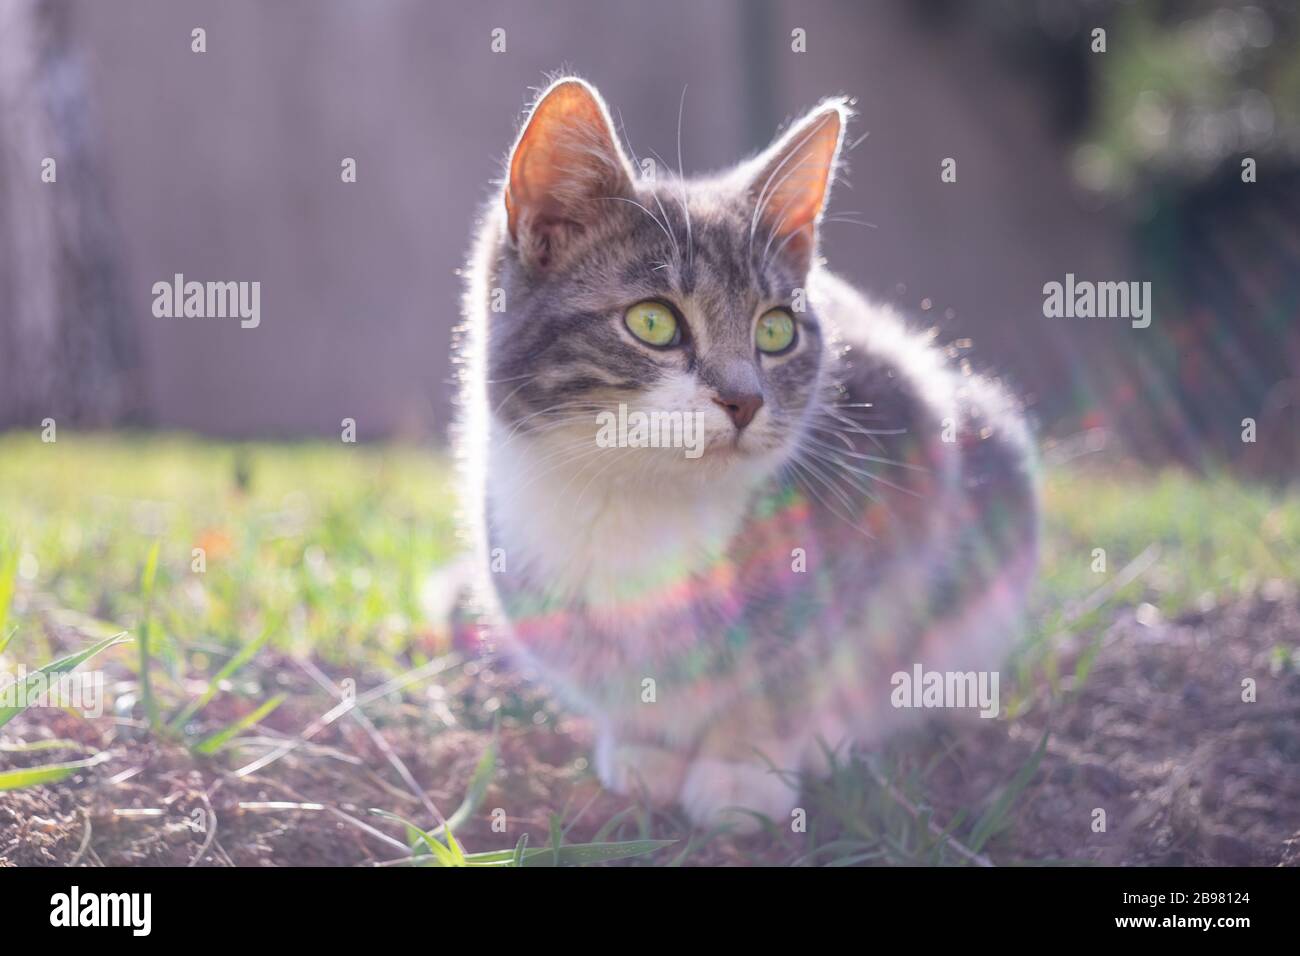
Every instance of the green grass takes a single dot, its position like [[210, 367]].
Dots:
[[1189, 542], [325, 550], [1215, 535], [333, 541]]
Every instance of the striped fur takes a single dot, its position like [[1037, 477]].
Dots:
[[721, 615]]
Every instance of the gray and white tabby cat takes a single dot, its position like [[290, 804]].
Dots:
[[859, 506]]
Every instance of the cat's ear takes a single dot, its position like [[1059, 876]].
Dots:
[[793, 179], [566, 163]]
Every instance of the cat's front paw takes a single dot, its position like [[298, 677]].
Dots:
[[639, 770], [725, 792]]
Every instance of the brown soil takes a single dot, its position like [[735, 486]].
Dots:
[[1158, 737]]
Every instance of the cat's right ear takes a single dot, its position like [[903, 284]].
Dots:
[[565, 166], [793, 182]]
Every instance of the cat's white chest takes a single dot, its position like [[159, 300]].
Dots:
[[596, 533]]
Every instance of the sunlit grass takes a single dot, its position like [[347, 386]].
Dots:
[[334, 540], [1216, 536], [218, 553]]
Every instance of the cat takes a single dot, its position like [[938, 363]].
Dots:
[[730, 619]]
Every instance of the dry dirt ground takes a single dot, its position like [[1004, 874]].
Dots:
[[1158, 737]]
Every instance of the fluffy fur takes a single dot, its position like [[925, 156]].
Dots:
[[723, 616]]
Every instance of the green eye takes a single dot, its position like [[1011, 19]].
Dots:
[[653, 323], [775, 331]]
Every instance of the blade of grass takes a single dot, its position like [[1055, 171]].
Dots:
[[48, 773], [611, 824], [943, 835], [8, 577], [557, 837], [416, 836], [210, 745], [478, 785], [573, 854], [147, 578], [570, 855], [232, 666], [62, 665], [993, 819], [457, 853]]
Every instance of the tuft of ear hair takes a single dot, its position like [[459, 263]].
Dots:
[[565, 162], [792, 183]]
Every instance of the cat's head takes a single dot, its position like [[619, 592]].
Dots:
[[618, 284]]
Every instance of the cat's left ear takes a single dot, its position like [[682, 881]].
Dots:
[[564, 167], [793, 182]]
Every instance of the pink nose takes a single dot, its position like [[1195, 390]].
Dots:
[[741, 407]]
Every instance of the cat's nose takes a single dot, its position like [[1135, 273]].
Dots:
[[741, 406]]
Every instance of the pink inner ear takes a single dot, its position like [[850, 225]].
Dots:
[[791, 190], [566, 156], [796, 246]]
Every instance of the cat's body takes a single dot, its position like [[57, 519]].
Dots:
[[859, 507]]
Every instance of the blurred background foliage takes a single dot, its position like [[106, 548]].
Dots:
[[1119, 165], [1160, 129]]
